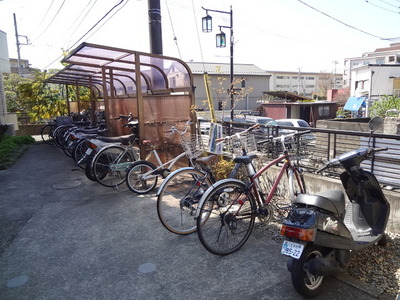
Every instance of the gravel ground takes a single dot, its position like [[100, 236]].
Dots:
[[378, 266]]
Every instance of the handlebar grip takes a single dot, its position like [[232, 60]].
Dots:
[[380, 149], [253, 127]]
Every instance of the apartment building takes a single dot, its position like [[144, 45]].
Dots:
[[371, 76], [307, 84], [381, 56]]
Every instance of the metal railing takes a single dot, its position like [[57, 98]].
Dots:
[[311, 151]]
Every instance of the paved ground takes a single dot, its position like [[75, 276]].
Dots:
[[65, 237]]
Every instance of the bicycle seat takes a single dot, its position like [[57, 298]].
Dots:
[[330, 200], [206, 160], [88, 130], [246, 159], [123, 139]]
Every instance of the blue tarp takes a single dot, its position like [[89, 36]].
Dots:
[[354, 103]]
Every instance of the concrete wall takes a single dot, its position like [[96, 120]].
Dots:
[[317, 183], [29, 129]]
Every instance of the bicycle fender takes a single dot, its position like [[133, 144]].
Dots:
[[211, 188], [170, 175], [103, 149]]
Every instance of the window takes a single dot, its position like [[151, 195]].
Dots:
[[310, 78], [391, 59], [323, 111]]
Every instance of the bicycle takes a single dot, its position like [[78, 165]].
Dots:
[[47, 132], [180, 193], [109, 164], [142, 175], [227, 211]]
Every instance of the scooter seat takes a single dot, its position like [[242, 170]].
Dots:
[[330, 200]]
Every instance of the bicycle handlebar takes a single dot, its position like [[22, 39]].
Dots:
[[350, 155], [283, 137], [239, 133]]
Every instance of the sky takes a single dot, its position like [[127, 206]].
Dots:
[[274, 35]]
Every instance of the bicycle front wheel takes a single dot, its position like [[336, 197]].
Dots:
[[178, 198], [141, 177], [226, 217], [47, 134], [110, 165]]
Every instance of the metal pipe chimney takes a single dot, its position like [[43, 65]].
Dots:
[[155, 27]]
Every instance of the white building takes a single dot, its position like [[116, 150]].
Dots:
[[381, 56], [4, 68], [371, 76], [305, 84]]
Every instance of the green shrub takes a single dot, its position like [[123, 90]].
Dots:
[[11, 148]]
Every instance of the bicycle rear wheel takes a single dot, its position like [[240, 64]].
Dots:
[[141, 177], [110, 165], [81, 152], [178, 198], [296, 183], [47, 134], [226, 217]]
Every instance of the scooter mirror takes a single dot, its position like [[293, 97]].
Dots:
[[375, 123]]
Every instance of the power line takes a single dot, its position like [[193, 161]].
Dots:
[[390, 4], [96, 24], [381, 7], [77, 26], [59, 57], [51, 22], [341, 22], [97, 29], [173, 30], [45, 15]]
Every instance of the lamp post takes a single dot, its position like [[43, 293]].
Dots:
[[221, 43]]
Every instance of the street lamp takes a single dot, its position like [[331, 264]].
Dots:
[[221, 43]]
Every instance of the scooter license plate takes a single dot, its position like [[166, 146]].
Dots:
[[88, 151], [292, 249]]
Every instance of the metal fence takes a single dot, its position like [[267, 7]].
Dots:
[[311, 151], [330, 143]]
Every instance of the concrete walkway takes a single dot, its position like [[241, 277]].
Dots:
[[65, 237]]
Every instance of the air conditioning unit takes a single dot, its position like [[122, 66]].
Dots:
[[396, 93]]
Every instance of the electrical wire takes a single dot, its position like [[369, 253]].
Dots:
[[173, 30], [45, 15], [376, 5], [97, 29], [77, 26], [198, 37], [341, 22], [83, 36], [51, 22], [59, 57], [390, 4]]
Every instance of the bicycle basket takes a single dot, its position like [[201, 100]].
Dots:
[[238, 142], [193, 145]]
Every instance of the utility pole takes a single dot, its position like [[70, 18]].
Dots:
[[155, 27], [19, 44]]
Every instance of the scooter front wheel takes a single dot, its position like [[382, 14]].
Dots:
[[305, 283]]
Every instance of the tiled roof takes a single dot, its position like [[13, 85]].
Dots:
[[224, 69]]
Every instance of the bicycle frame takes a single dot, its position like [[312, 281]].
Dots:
[[287, 165], [121, 167], [169, 164]]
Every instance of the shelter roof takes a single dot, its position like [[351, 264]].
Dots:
[[287, 95], [102, 66]]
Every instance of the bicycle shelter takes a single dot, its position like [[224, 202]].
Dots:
[[156, 89]]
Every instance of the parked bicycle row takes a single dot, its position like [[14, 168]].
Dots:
[[223, 212]]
